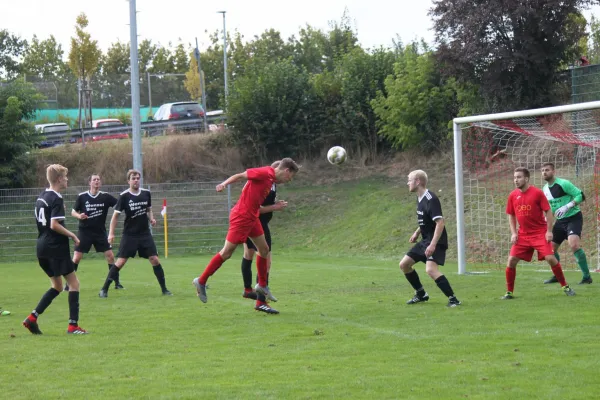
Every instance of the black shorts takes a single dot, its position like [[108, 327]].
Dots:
[[565, 227], [87, 239], [265, 226], [417, 253], [142, 245], [55, 267]]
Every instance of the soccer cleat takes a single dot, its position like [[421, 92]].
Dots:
[[32, 326], [266, 309], [119, 286], [418, 298], [76, 330], [551, 280], [507, 296], [4, 313], [250, 295], [568, 291], [264, 290], [201, 290], [453, 302], [167, 292], [103, 294], [587, 280]]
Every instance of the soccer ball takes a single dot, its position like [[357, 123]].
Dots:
[[336, 155]]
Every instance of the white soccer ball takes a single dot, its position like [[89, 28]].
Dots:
[[336, 155]]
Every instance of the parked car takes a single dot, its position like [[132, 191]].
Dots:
[[108, 123], [178, 111], [48, 129]]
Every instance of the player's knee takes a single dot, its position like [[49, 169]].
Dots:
[[512, 262], [154, 260], [574, 246], [74, 284], [57, 285]]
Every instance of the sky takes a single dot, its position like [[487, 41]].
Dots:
[[376, 21]]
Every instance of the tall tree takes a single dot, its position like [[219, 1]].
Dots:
[[11, 48], [84, 58], [18, 102], [112, 85], [44, 59], [513, 53]]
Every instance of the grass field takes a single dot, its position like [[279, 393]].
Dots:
[[344, 332]]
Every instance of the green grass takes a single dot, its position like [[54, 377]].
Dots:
[[344, 332]]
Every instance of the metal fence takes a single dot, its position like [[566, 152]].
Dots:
[[585, 83], [197, 218]]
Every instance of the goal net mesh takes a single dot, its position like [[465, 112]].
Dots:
[[491, 152]]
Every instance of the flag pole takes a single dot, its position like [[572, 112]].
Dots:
[[163, 212]]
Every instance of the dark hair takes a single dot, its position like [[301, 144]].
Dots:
[[132, 172], [288, 163], [524, 170], [548, 164]]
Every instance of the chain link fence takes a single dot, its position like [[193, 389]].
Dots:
[[197, 218], [585, 83]]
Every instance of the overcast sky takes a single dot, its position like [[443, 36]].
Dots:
[[377, 21]]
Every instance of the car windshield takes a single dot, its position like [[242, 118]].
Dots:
[[55, 128], [186, 107], [109, 123]]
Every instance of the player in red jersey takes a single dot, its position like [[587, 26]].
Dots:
[[528, 206], [244, 223]]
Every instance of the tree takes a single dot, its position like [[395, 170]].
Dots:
[[113, 83], [11, 48], [270, 107], [419, 101], [192, 80], [84, 58], [43, 59], [515, 53], [18, 102]]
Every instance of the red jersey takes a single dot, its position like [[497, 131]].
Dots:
[[258, 187], [529, 207]]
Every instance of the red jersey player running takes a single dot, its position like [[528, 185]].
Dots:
[[244, 223], [528, 205]]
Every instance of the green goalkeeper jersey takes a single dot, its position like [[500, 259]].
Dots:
[[560, 193]]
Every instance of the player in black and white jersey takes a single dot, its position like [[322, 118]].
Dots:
[[91, 209], [53, 253], [266, 213], [136, 204], [432, 248]]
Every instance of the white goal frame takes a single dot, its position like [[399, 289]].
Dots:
[[458, 160]]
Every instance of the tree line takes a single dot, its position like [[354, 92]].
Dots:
[[300, 94]]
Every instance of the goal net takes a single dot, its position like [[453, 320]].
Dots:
[[488, 148]]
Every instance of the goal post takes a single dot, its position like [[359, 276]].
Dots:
[[487, 149]]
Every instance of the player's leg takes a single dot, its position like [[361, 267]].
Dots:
[[559, 235], [49, 267], [262, 265], [109, 256], [74, 327], [215, 263], [249, 251], [575, 228], [77, 257], [113, 273], [432, 267], [511, 273], [159, 272], [545, 253], [416, 254]]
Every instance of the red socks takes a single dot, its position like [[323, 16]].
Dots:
[[511, 274], [262, 270], [212, 267], [558, 273]]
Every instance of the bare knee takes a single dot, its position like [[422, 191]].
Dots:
[[226, 253], [56, 284], [73, 282], [154, 260], [406, 265], [248, 253], [432, 270], [512, 262], [110, 257]]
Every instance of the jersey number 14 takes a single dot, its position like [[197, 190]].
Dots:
[[41, 216]]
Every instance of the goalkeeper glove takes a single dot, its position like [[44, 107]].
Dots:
[[564, 209]]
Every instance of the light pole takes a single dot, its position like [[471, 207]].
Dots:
[[135, 92], [224, 56]]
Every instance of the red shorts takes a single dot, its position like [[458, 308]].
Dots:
[[241, 229], [525, 246]]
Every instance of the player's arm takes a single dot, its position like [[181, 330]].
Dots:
[[576, 195], [437, 234], [113, 225], [151, 216], [77, 215], [278, 206], [549, 224], [232, 179], [415, 235], [58, 228]]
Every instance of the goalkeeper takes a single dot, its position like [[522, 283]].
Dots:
[[564, 198]]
